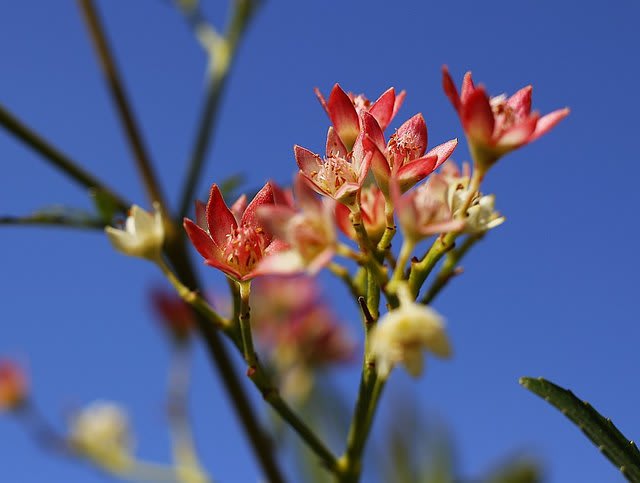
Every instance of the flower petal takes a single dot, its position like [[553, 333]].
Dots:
[[450, 89], [305, 195], [520, 102], [335, 146], [220, 219], [443, 151], [343, 116], [308, 162], [467, 87], [548, 122], [239, 206], [477, 117], [201, 240], [263, 197], [383, 108], [413, 132], [322, 100], [415, 171], [518, 134], [371, 128]]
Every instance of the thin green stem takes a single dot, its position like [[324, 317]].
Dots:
[[450, 268], [245, 327], [57, 158], [405, 253], [242, 12], [62, 221], [390, 230], [122, 103], [343, 274]]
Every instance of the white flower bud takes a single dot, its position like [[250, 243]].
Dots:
[[402, 334], [143, 235], [101, 432]]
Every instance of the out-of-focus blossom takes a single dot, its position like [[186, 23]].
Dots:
[[143, 234], [404, 157], [234, 241], [424, 211], [101, 432], [174, 313], [481, 215], [298, 330], [340, 174], [372, 206], [345, 111], [404, 333], [13, 386], [308, 230], [496, 125]]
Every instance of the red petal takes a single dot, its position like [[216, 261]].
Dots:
[[415, 171], [477, 117], [224, 267], [519, 134], [383, 108], [220, 220], [305, 195], [343, 116], [335, 146], [443, 151], [371, 128], [322, 100], [379, 164], [467, 88], [239, 206], [343, 221], [414, 130], [263, 197], [520, 102], [546, 123], [450, 89], [201, 240], [399, 101], [308, 162]]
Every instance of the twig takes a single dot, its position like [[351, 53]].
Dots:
[[120, 100]]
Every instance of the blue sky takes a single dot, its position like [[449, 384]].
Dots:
[[552, 292]]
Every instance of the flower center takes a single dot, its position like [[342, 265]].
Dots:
[[333, 173], [505, 116], [245, 247], [403, 148]]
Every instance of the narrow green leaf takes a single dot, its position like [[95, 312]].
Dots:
[[622, 452], [105, 205]]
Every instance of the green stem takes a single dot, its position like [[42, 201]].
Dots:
[[390, 230], [245, 327], [450, 268], [122, 103], [343, 274], [405, 253], [57, 158], [54, 220], [241, 15]]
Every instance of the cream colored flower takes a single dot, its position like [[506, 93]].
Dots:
[[143, 234], [101, 433], [402, 334]]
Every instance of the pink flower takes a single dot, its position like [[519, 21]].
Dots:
[[345, 110], [403, 157], [425, 211], [340, 174], [308, 230], [373, 215], [13, 386], [496, 125], [234, 241]]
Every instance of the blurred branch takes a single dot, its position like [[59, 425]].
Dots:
[[57, 158], [450, 268], [120, 100], [61, 220], [223, 49]]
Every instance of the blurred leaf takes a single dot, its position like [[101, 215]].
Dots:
[[622, 452], [230, 185], [56, 216], [105, 205]]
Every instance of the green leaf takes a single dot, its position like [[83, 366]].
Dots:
[[622, 452], [523, 471], [105, 205], [56, 216]]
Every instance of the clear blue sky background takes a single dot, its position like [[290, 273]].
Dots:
[[553, 292]]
